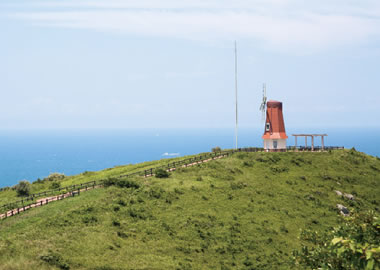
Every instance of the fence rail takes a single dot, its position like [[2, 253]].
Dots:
[[315, 148], [41, 202], [52, 192], [171, 166]]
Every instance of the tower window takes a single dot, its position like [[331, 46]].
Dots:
[[267, 127]]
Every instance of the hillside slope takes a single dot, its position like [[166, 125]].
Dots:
[[241, 212]]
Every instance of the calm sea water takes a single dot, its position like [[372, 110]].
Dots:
[[35, 154]]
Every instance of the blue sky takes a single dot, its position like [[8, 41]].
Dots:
[[151, 63]]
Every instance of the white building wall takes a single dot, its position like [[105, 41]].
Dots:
[[268, 144]]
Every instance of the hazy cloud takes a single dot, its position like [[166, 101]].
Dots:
[[286, 25]]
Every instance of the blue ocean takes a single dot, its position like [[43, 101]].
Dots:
[[27, 154]]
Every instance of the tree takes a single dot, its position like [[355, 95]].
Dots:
[[23, 188]]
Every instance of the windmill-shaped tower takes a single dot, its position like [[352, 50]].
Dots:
[[274, 132]]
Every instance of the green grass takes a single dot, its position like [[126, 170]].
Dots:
[[9, 196], [241, 212]]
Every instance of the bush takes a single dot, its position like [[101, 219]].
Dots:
[[54, 177], [354, 245], [55, 259], [279, 169], [38, 181], [122, 183], [23, 188], [216, 149], [55, 185], [161, 173]]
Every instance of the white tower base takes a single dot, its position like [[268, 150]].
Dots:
[[274, 144]]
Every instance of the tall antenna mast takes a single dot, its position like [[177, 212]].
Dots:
[[236, 99]]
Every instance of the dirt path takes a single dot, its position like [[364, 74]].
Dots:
[[47, 200]]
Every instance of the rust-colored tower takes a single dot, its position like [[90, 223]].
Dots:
[[274, 133]]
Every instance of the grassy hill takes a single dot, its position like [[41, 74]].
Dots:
[[242, 212]]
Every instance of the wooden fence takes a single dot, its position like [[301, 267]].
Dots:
[[38, 203], [20, 204], [52, 192], [14, 207]]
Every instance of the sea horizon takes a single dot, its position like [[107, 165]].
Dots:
[[32, 154]]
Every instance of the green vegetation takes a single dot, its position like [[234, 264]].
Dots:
[[248, 211], [23, 188], [354, 245], [161, 173], [216, 149], [9, 195]]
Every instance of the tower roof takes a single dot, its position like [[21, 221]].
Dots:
[[274, 124]]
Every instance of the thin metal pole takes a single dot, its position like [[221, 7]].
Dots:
[[236, 99]]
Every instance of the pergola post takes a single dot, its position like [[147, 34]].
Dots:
[[323, 143], [312, 140]]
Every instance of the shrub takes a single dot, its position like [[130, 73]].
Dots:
[[216, 149], [178, 191], [55, 177], [247, 163], [354, 245], [238, 185], [55, 185], [55, 259], [122, 202], [89, 220], [156, 192], [241, 155], [38, 181], [116, 223], [122, 183], [23, 188], [279, 169], [161, 173]]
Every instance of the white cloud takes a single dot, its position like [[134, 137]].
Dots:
[[273, 24], [170, 154]]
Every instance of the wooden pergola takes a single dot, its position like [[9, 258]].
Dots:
[[312, 139]]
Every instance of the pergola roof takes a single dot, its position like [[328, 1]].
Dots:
[[309, 135]]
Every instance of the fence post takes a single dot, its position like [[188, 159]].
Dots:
[[78, 191], [41, 203], [151, 171], [47, 201], [12, 213], [18, 210]]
